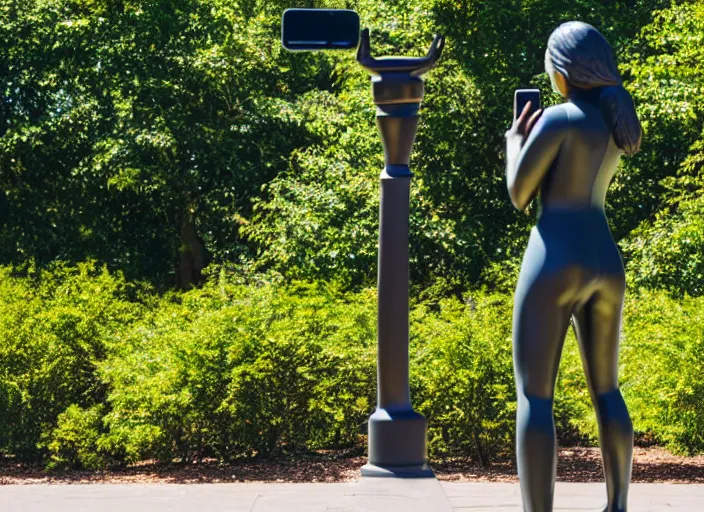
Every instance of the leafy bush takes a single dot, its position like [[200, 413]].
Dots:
[[463, 376], [661, 66], [667, 252], [232, 369], [662, 360], [95, 371], [575, 419], [75, 440], [53, 327]]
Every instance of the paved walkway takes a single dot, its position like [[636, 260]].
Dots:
[[366, 495]]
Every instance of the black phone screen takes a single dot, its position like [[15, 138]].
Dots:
[[319, 29], [523, 96]]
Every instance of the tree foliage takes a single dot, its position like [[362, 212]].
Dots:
[[160, 136], [137, 132], [666, 250]]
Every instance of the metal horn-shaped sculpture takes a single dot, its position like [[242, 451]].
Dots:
[[416, 66], [397, 433]]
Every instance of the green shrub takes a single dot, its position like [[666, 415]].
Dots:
[[575, 419], [74, 443], [94, 372], [19, 358], [53, 330], [662, 361], [462, 372], [661, 357], [230, 369], [235, 369]]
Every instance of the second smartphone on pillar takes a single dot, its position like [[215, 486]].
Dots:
[[319, 29], [521, 97]]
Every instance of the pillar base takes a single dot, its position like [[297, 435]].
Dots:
[[422, 471], [397, 444]]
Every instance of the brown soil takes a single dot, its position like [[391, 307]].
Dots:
[[574, 465], [653, 465]]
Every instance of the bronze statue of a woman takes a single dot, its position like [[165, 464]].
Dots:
[[567, 154]]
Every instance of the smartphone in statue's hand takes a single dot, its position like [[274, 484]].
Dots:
[[523, 96]]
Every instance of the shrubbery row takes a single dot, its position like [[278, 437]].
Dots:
[[96, 371]]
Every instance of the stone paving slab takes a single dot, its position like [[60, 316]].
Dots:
[[498, 497], [365, 495], [129, 497]]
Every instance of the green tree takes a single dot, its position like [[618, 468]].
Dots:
[[665, 251], [136, 132]]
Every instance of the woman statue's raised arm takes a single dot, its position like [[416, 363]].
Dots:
[[531, 147]]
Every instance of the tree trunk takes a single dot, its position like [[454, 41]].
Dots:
[[192, 254]]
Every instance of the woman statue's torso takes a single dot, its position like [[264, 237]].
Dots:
[[571, 245]]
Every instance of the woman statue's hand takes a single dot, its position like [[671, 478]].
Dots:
[[522, 125]]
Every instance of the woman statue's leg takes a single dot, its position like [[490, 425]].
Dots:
[[539, 328], [598, 325]]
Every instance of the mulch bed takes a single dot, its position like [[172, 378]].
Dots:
[[574, 465], [650, 465]]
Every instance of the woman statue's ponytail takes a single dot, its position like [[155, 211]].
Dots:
[[580, 53], [620, 114]]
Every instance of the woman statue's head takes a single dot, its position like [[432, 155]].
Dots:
[[578, 57]]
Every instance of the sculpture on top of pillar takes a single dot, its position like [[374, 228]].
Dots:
[[572, 270], [397, 433]]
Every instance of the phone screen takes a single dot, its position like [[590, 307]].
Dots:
[[319, 29], [523, 96]]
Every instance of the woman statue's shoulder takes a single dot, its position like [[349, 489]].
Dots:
[[555, 117]]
